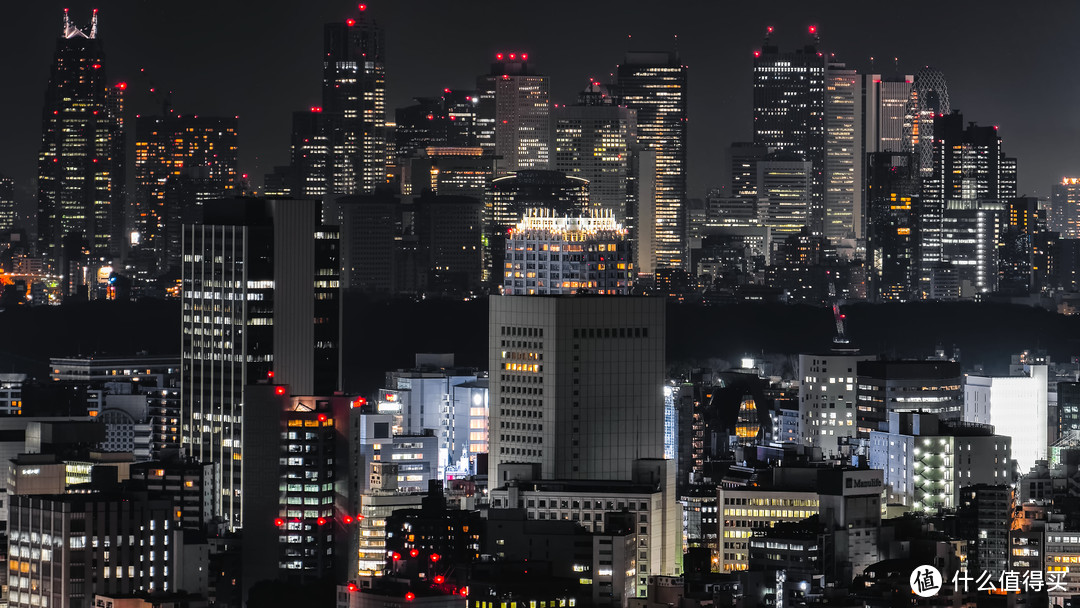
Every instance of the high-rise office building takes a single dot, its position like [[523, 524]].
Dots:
[[354, 101], [81, 161], [1065, 208], [449, 239], [789, 112], [743, 158], [450, 172], [595, 140], [260, 301], [929, 99], [784, 192], [514, 114], [202, 149], [654, 85], [885, 100], [931, 387], [1022, 220], [843, 168], [7, 203], [962, 198], [448, 121], [550, 254], [893, 204], [576, 385]]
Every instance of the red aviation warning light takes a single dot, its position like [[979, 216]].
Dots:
[[410, 596], [321, 521], [395, 556], [347, 519], [270, 374], [439, 579], [435, 557], [279, 522], [359, 402], [353, 587], [280, 390], [414, 553], [121, 85], [757, 53], [363, 7], [813, 29], [498, 56], [350, 22]]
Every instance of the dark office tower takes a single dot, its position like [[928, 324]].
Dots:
[[81, 162], [654, 84], [962, 199], [595, 140], [1068, 407], [892, 254], [448, 121], [1022, 221], [514, 114], [354, 99], [935, 387], [448, 233], [1065, 208], [929, 99], [7, 204], [743, 158], [789, 112], [260, 300], [371, 228], [297, 523], [451, 172], [312, 172], [169, 149]]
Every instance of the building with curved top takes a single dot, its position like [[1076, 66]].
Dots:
[[550, 254]]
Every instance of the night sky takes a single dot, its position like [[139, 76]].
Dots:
[[1006, 63]]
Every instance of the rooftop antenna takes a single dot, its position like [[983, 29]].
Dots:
[[871, 64], [768, 34], [67, 23], [814, 32], [896, 64], [93, 25]]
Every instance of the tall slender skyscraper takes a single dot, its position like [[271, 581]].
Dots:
[[354, 100], [929, 99], [7, 203], [843, 153], [789, 112], [654, 85], [514, 114], [1065, 208], [260, 301], [81, 162], [893, 207], [172, 149], [595, 140]]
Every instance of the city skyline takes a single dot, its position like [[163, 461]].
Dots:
[[284, 76]]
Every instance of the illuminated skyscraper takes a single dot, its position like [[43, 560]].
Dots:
[[962, 201], [260, 301], [514, 114], [7, 203], [654, 84], [1065, 208], [789, 112], [354, 100], [81, 162], [568, 254], [843, 153], [595, 140], [168, 149], [885, 107], [893, 205], [784, 188], [929, 99]]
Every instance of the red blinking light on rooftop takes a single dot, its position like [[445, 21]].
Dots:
[[414, 553], [410, 596], [347, 519], [350, 22], [498, 56], [279, 522], [121, 85], [322, 418], [435, 557], [316, 109], [363, 7], [359, 402], [280, 390], [395, 556], [439, 579], [321, 521], [353, 587], [813, 29], [270, 374]]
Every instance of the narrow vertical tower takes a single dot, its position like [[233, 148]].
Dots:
[[354, 102], [81, 161]]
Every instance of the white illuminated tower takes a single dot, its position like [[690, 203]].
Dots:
[[886, 100], [576, 384], [514, 114]]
